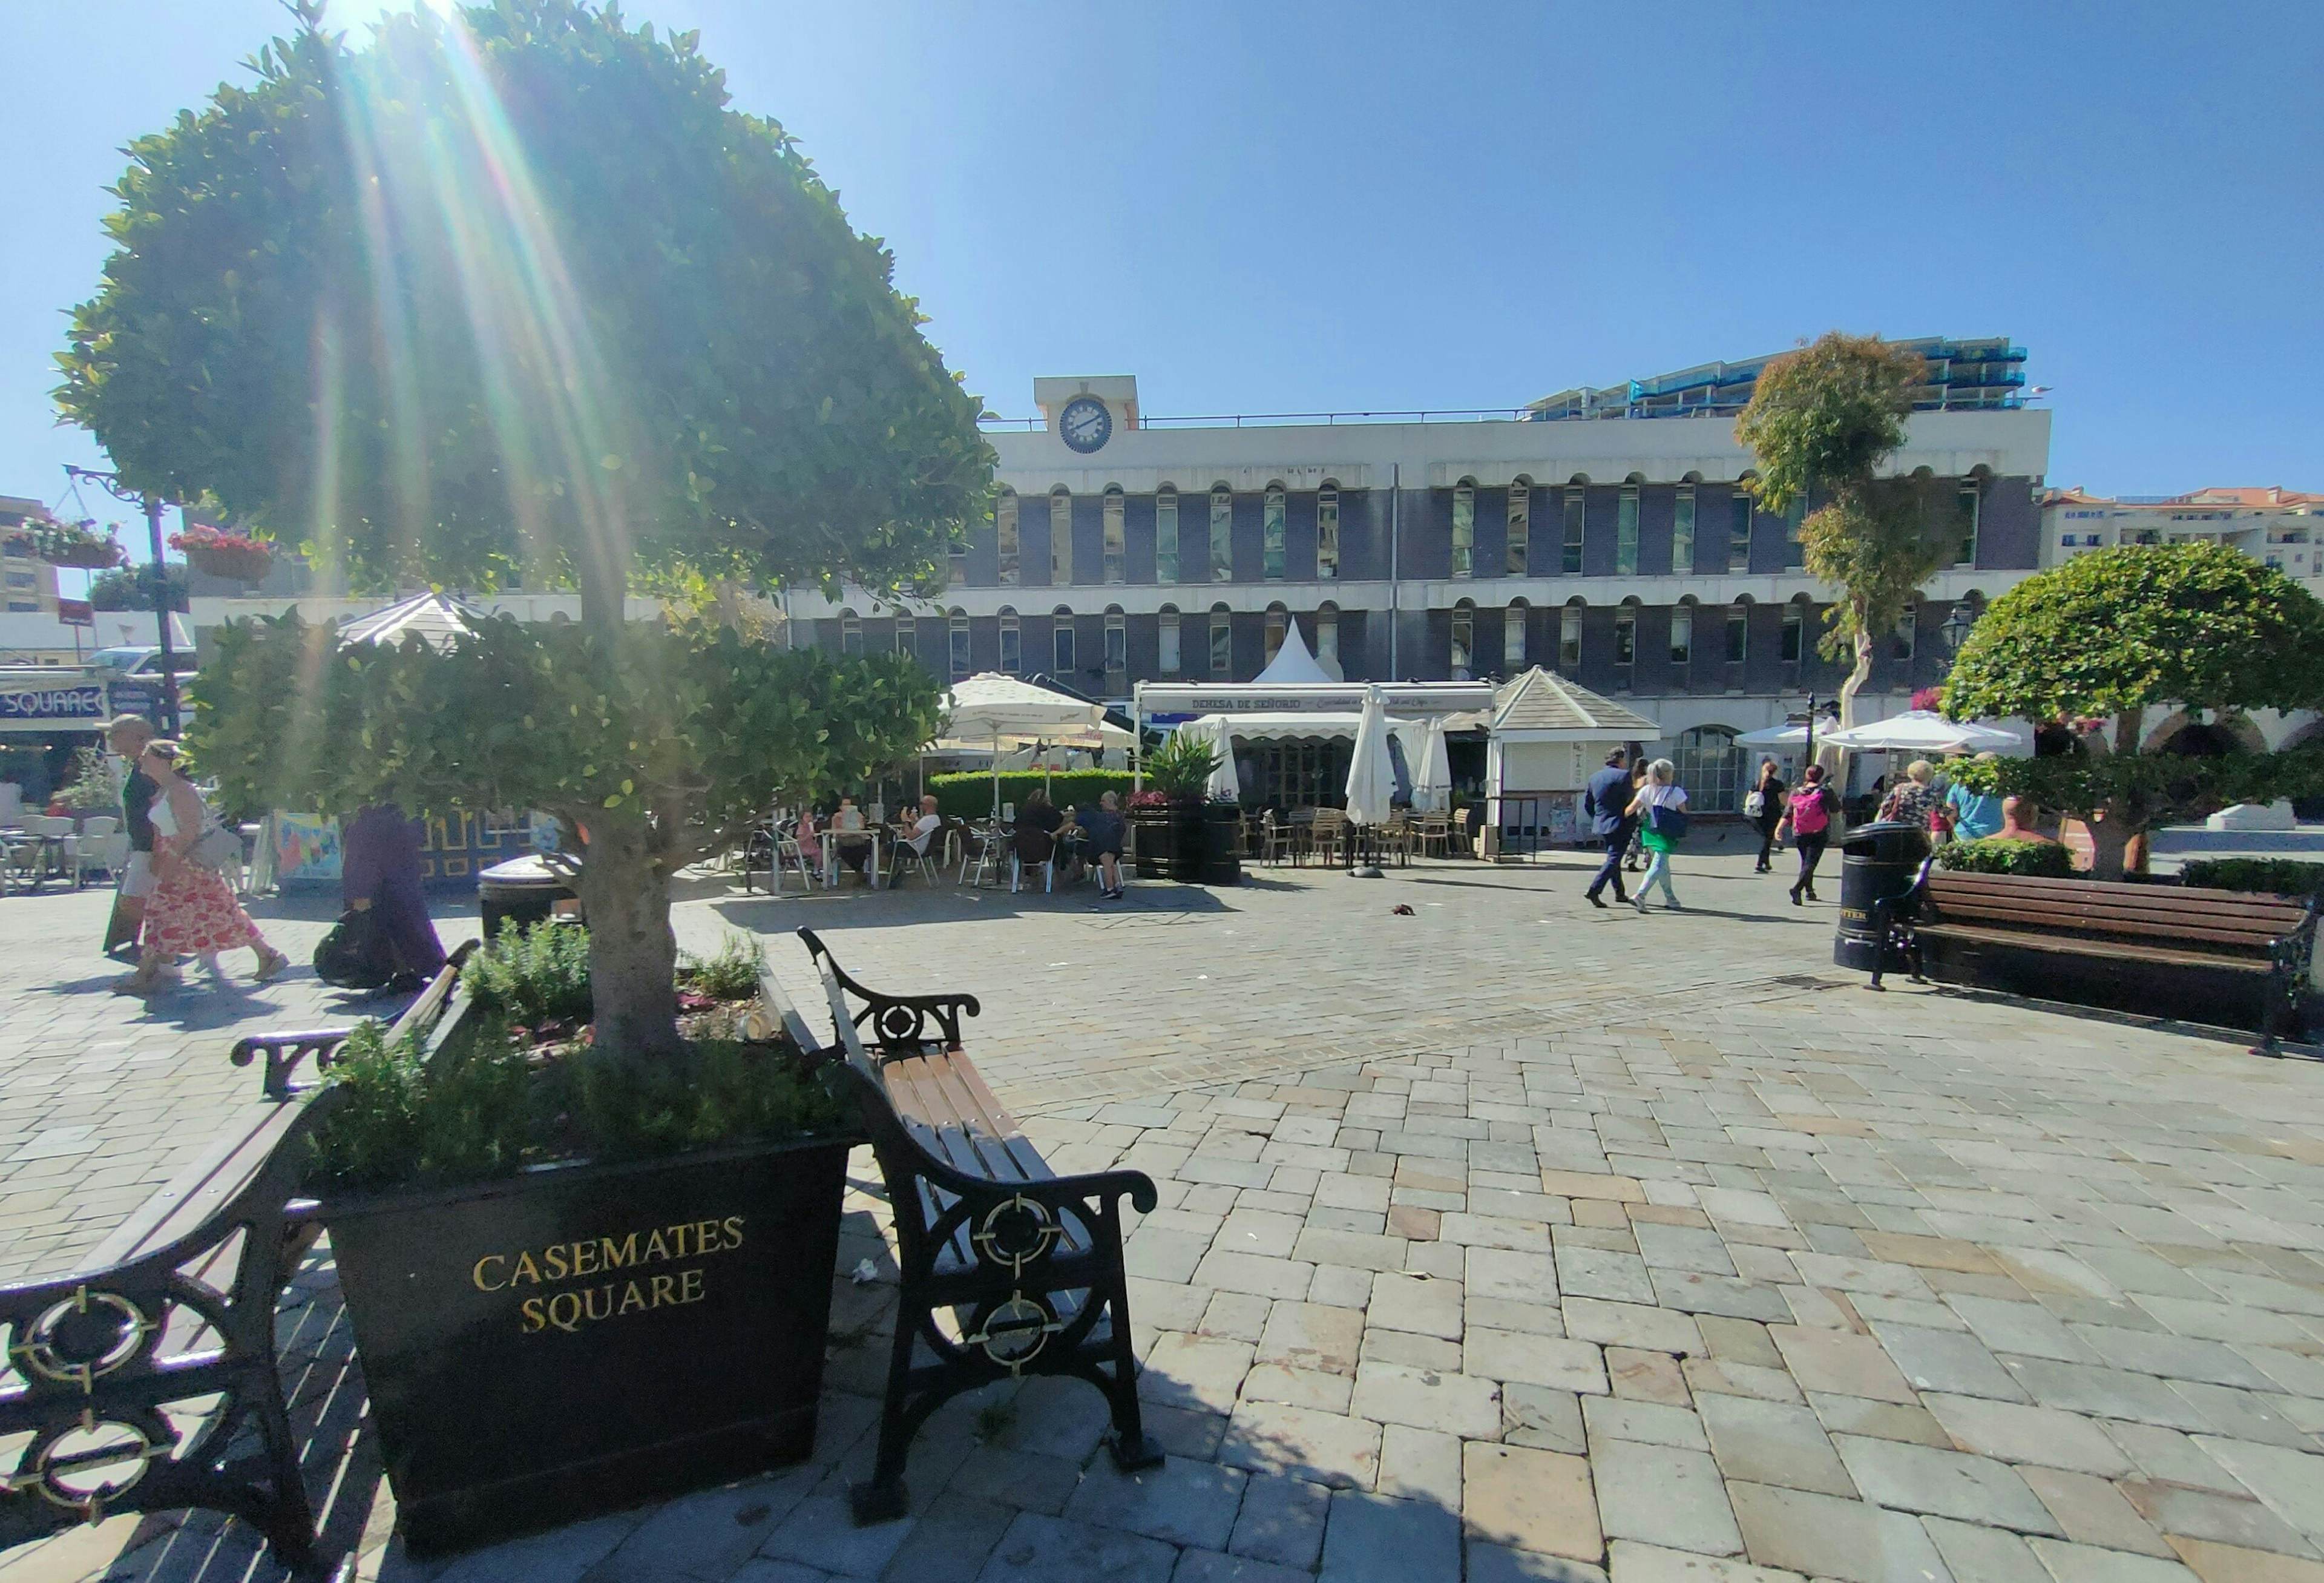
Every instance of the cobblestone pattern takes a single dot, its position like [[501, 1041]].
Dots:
[[1762, 1283]]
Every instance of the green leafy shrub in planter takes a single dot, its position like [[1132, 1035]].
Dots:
[[398, 1122], [2282, 876], [2032, 859], [969, 795], [1180, 769], [533, 976], [731, 974]]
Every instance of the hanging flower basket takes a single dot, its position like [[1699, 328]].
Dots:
[[76, 544], [215, 553]]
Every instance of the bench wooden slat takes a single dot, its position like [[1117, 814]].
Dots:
[[2112, 951], [2032, 916], [2276, 911]]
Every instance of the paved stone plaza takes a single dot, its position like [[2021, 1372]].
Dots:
[[1508, 1240]]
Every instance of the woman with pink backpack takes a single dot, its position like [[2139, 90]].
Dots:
[[1807, 820]]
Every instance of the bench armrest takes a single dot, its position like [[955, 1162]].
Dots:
[[897, 1023], [284, 1052]]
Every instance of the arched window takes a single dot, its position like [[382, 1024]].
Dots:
[[1464, 640], [1165, 535], [1513, 637], [851, 633], [1795, 630], [1970, 501], [1117, 643], [1327, 530], [1908, 621], [1711, 767], [1166, 634], [1061, 537], [1272, 553], [907, 637], [1682, 634], [1738, 632], [1221, 642], [1277, 619], [1061, 642], [959, 653], [1683, 527], [1012, 651], [1117, 535], [1520, 528], [1327, 635], [1222, 533], [1568, 637], [1004, 518], [1625, 527], [1464, 529], [1739, 528], [1625, 640], [1576, 507]]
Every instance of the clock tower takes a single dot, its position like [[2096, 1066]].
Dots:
[[1087, 412]]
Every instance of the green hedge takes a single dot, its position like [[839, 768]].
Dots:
[[968, 794], [2283, 877], [2035, 859]]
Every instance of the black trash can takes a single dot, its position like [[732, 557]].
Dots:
[[524, 891], [1878, 861]]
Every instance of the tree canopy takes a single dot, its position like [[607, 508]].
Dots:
[[1821, 421], [2193, 627], [516, 292]]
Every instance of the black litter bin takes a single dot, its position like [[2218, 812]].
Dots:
[[524, 891], [1878, 861]]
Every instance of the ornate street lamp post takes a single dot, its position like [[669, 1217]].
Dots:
[[151, 506]]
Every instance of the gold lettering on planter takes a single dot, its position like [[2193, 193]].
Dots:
[[616, 1255]]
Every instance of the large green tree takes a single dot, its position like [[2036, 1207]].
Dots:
[[515, 292], [2117, 633], [1823, 421]]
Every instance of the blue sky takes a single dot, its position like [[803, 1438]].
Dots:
[[1305, 207]]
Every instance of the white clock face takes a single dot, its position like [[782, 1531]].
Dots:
[[1085, 424]]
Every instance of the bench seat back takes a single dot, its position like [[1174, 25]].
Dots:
[[2223, 922]]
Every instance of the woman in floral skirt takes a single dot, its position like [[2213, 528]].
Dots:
[[192, 910]]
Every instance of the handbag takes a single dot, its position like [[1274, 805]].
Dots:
[[354, 955], [218, 850], [1755, 805], [1666, 821]]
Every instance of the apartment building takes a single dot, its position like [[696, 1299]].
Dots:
[[2283, 528]]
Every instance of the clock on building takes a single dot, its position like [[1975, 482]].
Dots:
[[1085, 424]]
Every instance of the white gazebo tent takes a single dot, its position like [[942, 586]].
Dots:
[[1293, 664], [435, 618], [1543, 737]]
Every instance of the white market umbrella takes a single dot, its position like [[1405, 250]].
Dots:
[[1791, 735], [1432, 787], [1923, 731], [1371, 776], [999, 711]]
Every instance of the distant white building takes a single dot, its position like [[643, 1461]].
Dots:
[[28, 585], [2283, 528]]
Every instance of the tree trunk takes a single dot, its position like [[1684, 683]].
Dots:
[[2112, 831], [625, 888], [1830, 758]]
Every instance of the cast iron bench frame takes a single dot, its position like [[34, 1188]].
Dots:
[[1029, 1262], [2135, 947], [177, 1305]]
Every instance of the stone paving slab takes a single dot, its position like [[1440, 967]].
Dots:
[[1491, 1245]]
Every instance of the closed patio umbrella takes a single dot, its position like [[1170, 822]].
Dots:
[[1372, 777], [1432, 788]]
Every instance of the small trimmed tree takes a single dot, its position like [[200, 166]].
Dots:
[[2117, 633], [513, 292], [1823, 421]]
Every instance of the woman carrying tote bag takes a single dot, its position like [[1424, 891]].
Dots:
[[192, 910], [1660, 809]]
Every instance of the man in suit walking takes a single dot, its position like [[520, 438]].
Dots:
[[1606, 802]]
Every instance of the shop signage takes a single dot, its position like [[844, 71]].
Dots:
[[78, 704]]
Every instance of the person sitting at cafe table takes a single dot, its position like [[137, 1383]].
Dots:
[[1102, 833], [923, 830], [854, 846]]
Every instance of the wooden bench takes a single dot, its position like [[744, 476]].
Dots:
[[2224, 957], [148, 1381], [1028, 1262]]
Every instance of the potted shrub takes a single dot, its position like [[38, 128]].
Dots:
[[1173, 812], [77, 544], [222, 552], [572, 1291]]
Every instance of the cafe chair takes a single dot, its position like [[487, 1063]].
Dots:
[[1032, 850]]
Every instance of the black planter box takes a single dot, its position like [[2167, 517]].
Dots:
[[1221, 845], [583, 1339], [1151, 826]]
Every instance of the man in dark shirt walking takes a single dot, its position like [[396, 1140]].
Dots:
[[1607, 802]]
